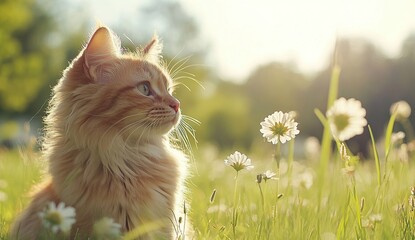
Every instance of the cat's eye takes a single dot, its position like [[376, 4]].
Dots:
[[144, 88]]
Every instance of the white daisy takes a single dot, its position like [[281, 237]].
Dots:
[[239, 161], [346, 118], [268, 175], [279, 127], [58, 218], [402, 109], [106, 228]]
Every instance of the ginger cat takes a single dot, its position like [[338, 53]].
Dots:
[[107, 143]]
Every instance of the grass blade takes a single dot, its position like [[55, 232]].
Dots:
[[375, 154], [388, 134]]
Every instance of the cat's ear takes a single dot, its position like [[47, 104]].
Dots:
[[152, 52], [102, 48]]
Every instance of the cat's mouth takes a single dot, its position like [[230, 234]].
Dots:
[[162, 118], [174, 119]]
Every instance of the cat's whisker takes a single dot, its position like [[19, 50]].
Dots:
[[171, 68], [184, 67], [172, 60], [178, 65], [190, 78], [135, 127], [126, 129], [180, 133], [143, 127], [181, 84], [119, 121], [192, 119]]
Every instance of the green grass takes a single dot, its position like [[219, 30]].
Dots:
[[19, 171], [298, 214]]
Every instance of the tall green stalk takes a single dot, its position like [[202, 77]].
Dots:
[[326, 141], [376, 155], [235, 206]]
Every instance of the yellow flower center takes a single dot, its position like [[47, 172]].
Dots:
[[238, 166], [279, 129], [54, 218], [341, 121]]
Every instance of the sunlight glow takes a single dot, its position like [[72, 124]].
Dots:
[[247, 33], [244, 34]]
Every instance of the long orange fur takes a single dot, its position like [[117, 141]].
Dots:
[[107, 143]]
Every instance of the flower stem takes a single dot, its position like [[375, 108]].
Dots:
[[277, 155], [235, 207], [290, 162], [262, 197]]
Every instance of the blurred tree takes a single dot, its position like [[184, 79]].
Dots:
[[23, 30], [274, 87], [176, 26], [225, 117], [404, 71]]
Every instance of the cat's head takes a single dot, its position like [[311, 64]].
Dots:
[[107, 92]]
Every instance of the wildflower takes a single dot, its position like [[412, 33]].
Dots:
[[106, 228], [376, 218], [397, 138], [304, 179], [239, 161], [402, 110], [279, 127], [259, 178], [371, 221], [58, 218], [268, 175], [312, 147], [346, 118]]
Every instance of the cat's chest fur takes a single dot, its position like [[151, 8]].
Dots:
[[132, 186]]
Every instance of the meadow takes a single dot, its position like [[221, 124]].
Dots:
[[328, 194]]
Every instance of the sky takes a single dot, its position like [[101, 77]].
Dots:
[[243, 34]]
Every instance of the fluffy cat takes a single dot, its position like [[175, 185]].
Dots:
[[106, 140]]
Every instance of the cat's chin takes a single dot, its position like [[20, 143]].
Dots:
[[168, 126]]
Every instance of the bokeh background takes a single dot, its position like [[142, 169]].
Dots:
[[252, 58]]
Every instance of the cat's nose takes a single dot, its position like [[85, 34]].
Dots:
[[175, 104]]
